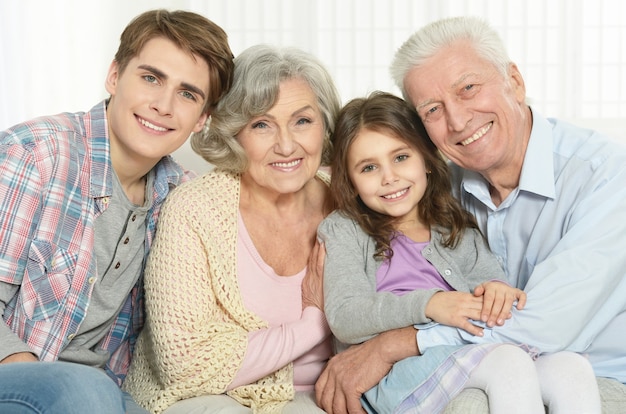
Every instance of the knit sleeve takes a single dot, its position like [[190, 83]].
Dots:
[[196, 332]]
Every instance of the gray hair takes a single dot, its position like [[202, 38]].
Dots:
[[433, 37], [259, 71]]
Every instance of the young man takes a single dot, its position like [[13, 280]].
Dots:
[[80, 194], [549, 196]]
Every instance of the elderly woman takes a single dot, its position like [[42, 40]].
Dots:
[[233, 284]]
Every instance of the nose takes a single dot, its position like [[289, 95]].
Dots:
[[388, 175], [458, 115], [163, 102], [285, 143]]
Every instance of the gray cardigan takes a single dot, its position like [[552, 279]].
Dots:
[[356, 312]]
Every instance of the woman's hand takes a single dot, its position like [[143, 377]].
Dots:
[[313, 282], [456, 309], [498, 299]]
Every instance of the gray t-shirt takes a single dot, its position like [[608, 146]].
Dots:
[[120, 245]]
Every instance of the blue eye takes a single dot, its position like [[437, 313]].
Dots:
[[150, 78], [189, 95], [260, 124], [402, 157]]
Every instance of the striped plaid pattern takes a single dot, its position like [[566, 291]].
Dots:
[[434, 394], [55, 180]]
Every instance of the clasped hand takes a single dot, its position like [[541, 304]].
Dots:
[[491, 303]]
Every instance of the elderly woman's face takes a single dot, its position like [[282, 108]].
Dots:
[[284, 145]]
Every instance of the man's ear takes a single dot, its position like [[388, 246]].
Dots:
[[201, 121], [112, 77], [517, 83]]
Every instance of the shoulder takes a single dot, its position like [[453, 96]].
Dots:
[[212, 188], [337, 226]]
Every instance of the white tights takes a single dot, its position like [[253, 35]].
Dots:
[[514, 383]]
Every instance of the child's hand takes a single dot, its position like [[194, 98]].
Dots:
[[456, 309], [498, 299]]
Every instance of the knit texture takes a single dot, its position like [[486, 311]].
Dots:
[[197, 327]]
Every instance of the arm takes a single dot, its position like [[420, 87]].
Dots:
[[188, 328], [355, 311], [21, 200], [573, 266], [272, 348]]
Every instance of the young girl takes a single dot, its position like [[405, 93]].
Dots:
[[402, 251]]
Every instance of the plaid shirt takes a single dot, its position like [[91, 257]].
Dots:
[[55, 180]]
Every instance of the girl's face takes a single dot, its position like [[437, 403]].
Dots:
[[388, 174]]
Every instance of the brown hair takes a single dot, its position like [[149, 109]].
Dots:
[[192, 33], [385, 113]]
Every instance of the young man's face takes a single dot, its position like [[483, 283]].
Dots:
[[156, 102]]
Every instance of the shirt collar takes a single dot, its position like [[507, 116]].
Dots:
[[538, 169]]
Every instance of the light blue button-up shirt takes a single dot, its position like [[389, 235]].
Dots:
[[561, 236]]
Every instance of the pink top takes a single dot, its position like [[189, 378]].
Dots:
[[293, 334]]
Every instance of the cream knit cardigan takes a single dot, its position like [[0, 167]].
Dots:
[[197, 327]]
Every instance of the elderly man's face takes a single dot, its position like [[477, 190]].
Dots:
[[472, 113]]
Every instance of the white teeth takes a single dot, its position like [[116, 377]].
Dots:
[[396, 195], [152, 126], [286, 164], [477, 135]]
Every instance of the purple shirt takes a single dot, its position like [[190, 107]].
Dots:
[[408, 270]]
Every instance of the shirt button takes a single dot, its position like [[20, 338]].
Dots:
[[134, 217], [447, 272], [126, 240], [70, 337], [92, 279], [117, 265]]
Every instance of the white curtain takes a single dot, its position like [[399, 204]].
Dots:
[[572, 53]]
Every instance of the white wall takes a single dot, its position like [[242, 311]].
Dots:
[[55, 53]]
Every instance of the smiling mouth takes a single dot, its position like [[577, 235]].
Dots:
[[152, 126], [289, 164], [477, 135], [395, 195]]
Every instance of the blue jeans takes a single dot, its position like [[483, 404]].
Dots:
[[57, 388]]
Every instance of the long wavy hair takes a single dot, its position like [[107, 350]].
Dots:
[[388, 114]]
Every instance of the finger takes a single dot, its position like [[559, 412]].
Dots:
[[339, 402], [324, 391], [472, 329], [506, 310], [521, 300], [487, 308], [496, 310], [479, 290]]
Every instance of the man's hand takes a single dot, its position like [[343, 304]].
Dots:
[[352, 372]]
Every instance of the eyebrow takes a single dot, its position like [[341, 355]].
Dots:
[[370, 160], [454, 86], [163, 75], [294, 113]]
